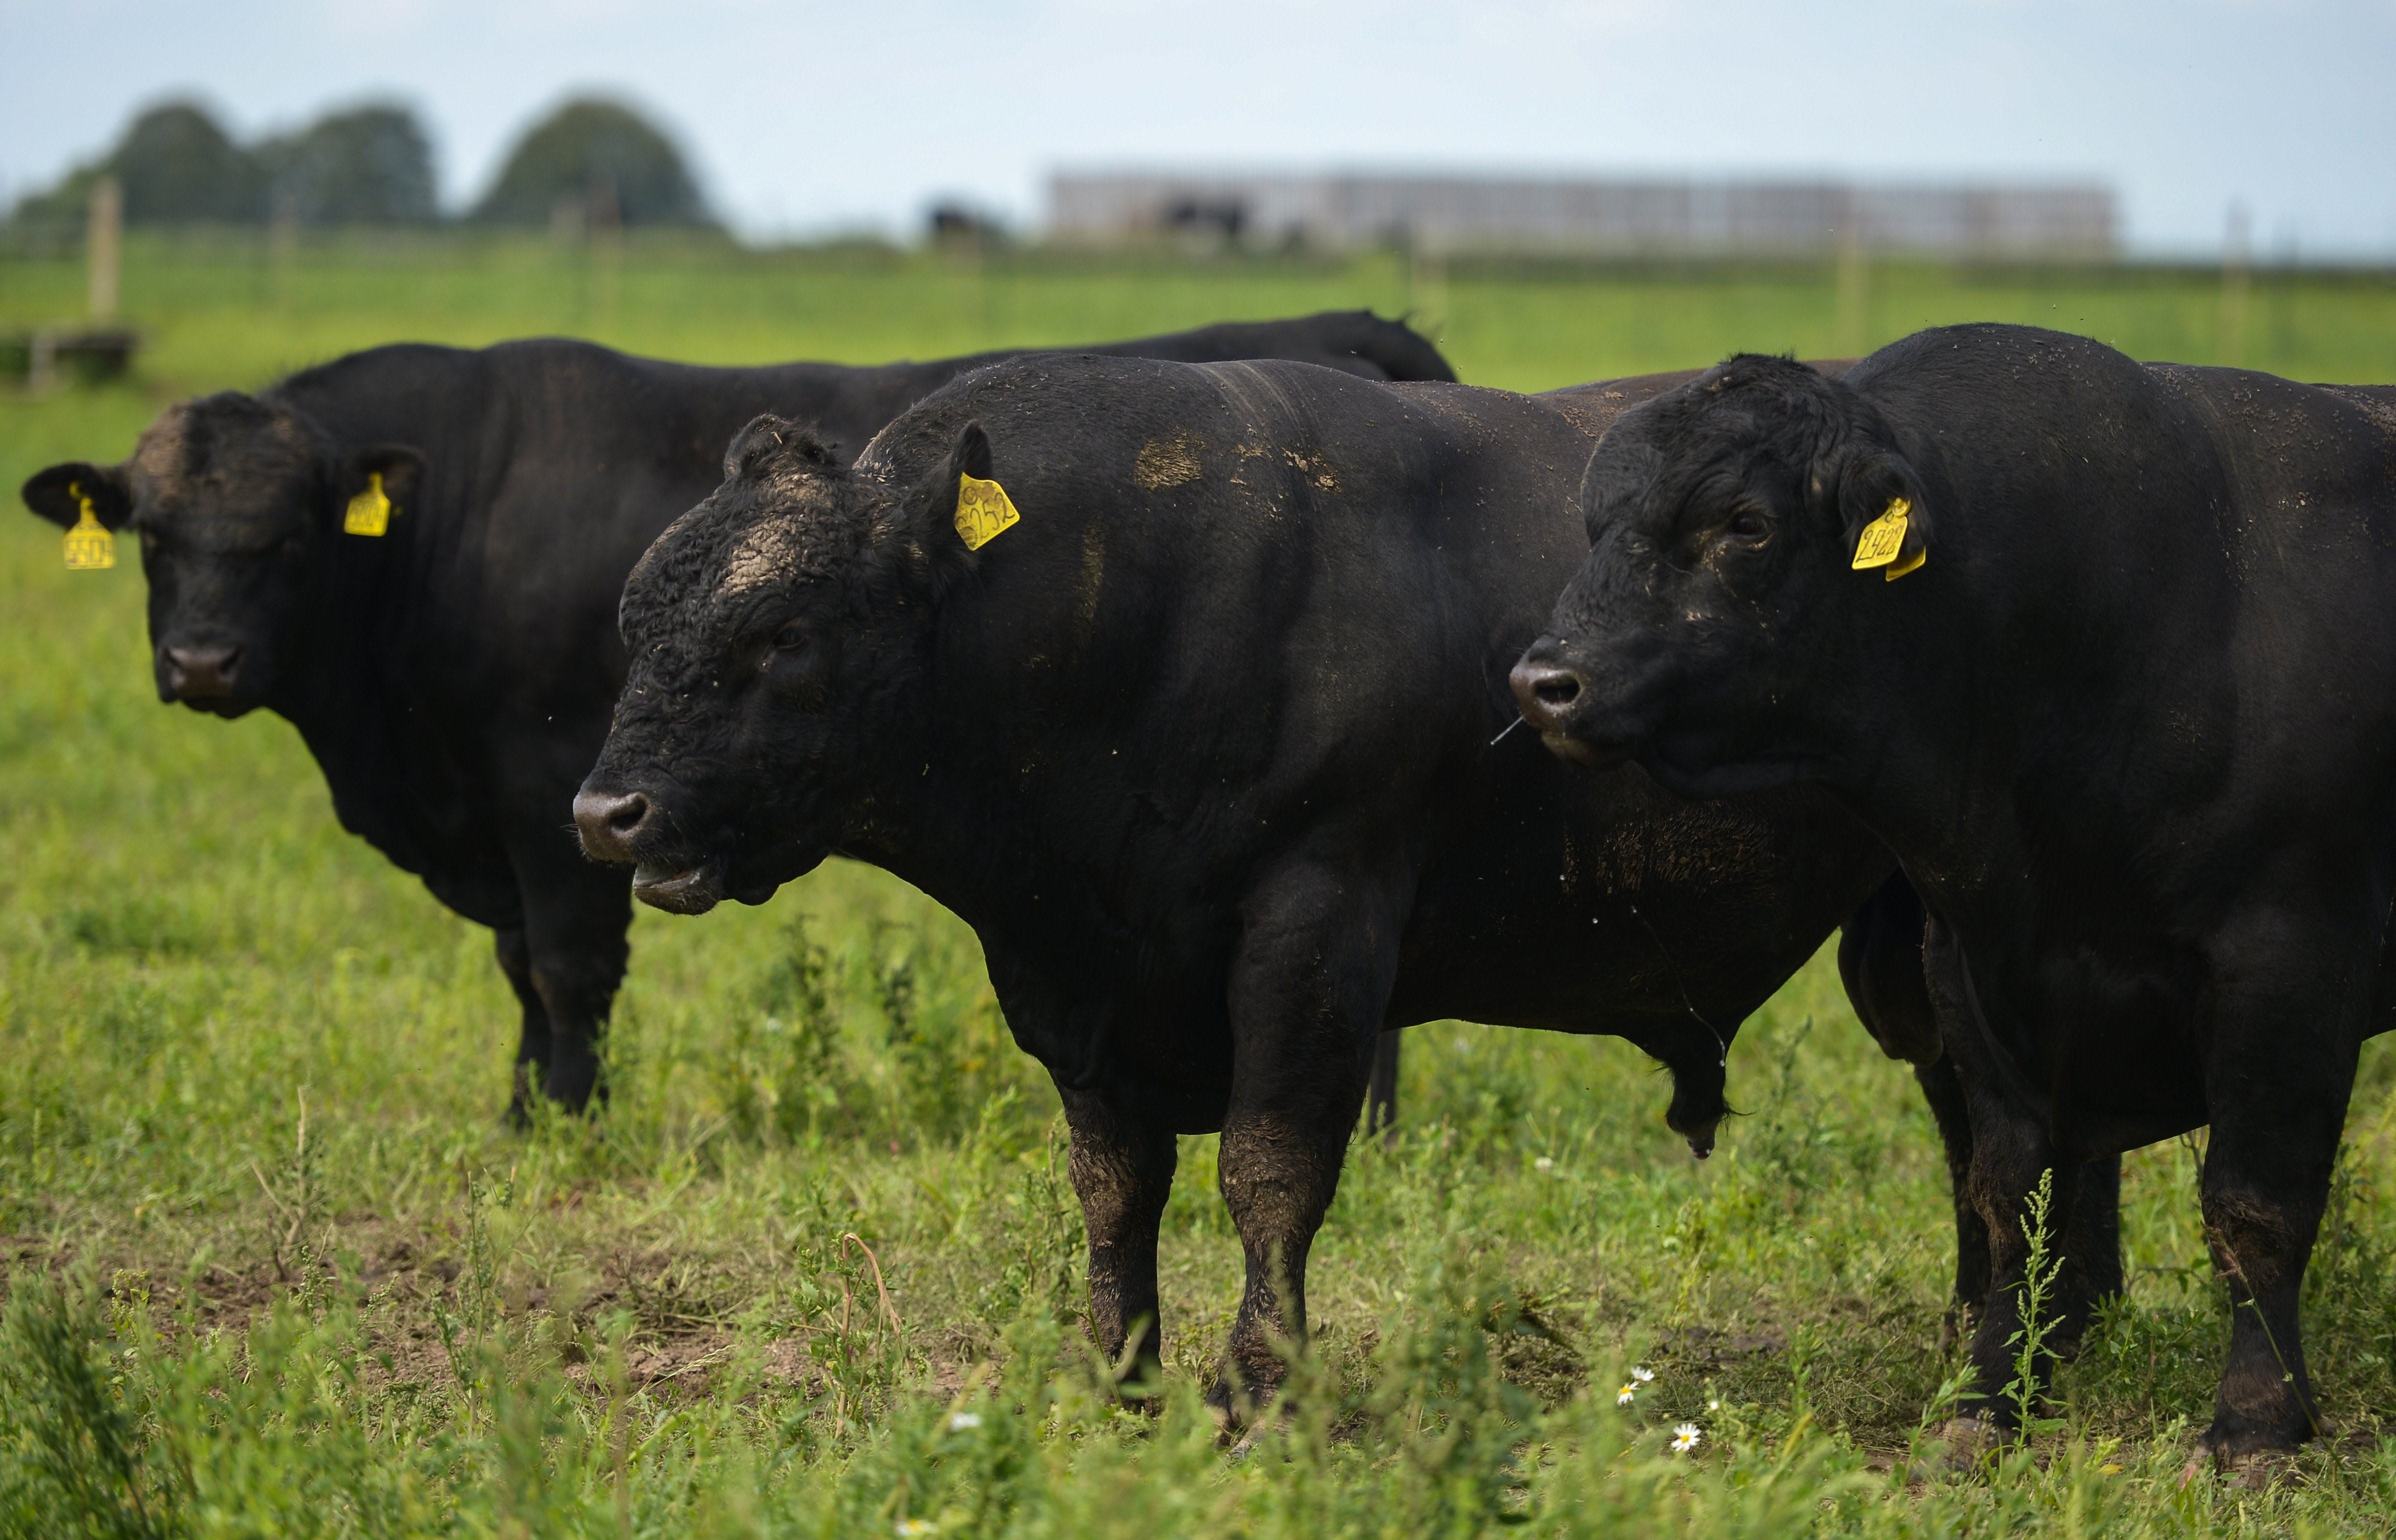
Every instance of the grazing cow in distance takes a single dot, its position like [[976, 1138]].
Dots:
[[1186, 688], [414, 555], [2105, 651]]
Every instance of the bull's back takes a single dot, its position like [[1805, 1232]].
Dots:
[[1526, 857]]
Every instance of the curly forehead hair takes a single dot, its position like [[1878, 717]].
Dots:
[[777, 516], [224, 437], [1767, 400], [1750, 408]]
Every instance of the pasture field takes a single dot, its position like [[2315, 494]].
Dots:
[[273, 1265]]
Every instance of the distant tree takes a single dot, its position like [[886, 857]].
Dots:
[[370, 165], [176, 166], [601, 157]]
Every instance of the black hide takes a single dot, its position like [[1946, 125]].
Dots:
[[1202, 750], [453, 675], [2131, 729]]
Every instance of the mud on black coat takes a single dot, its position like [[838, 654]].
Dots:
[[453, 675], [1201, 749]]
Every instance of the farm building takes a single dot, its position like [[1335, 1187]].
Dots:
[[1605, 218]]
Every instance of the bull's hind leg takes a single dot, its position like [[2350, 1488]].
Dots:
[[1381, 1088], [1121, 1166], [576, 914], [2092, 1251], [1944, 1092], [2085, 1218], [2008, 1153], [532, 1045], [1308, 986]]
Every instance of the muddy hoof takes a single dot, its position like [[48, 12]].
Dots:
[[1232, 1412], [2256, 1471], [1960, 1446]]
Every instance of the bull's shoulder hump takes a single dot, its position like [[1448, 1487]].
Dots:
[[391, 367]]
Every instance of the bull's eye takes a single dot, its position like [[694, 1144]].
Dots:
[[148, 542], [1749, 524], [791, 638]]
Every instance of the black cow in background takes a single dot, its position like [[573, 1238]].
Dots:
[[1200, 745], [414, 555], [2127, 713]]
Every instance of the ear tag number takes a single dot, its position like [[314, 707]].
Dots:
[[91, 547], [983, 511], [369, 511], [1884, 537]]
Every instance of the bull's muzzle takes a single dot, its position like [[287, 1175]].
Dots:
[[198, 673], [613, 825], [610, 822], [1553, 695]]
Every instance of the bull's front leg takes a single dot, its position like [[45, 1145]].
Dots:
[[1121, 1166], [2286, 1028], [1309, 986], [576, 914]]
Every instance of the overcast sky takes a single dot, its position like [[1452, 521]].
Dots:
[[804, 117]]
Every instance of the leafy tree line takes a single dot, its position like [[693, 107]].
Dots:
[[372, 164]]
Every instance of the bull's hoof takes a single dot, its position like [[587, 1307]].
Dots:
[[1961, 1445], [2247, 1451], [1239, 1403], [2256, 1471], [1233, 1410], [1142, 1395]]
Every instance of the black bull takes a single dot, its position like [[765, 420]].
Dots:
[[2130, 725], [1201, 748], [453, 675]]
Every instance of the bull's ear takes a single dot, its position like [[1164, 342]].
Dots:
[[58, 493], [1873, 482], [401, 468], [939, 524], [767, 437], [956, 520], [971, 456]]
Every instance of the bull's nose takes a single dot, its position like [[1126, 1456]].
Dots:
[[1546, 691], [199, 673], [610, 821]]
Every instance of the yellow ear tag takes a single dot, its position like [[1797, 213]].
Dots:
[[1884, 537], [983, 511], [369, 511], [91, 547]]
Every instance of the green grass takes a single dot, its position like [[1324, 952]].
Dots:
[[274, 1268]]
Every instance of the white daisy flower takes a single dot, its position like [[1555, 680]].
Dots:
[[960, 1421], [908, 1528], [1544, 1163], [1643, 1376], [1685, 1437], [1623, 1397]]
